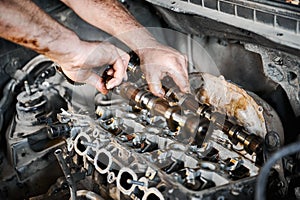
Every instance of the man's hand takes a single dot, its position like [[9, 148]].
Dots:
[[92, 55], [157, 60], [160, 61], [23, 22]]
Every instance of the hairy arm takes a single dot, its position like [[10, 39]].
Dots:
[[112, 17], [157, 60], [22, 22]]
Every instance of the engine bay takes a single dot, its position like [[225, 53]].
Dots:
[[67, 141]]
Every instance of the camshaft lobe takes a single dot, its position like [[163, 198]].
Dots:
[[192, 124]]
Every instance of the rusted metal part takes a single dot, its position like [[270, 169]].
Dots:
[[254, 114], [231, 100]]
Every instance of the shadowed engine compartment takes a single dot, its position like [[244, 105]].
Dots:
[[64, 141]]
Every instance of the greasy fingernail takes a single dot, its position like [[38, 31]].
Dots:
[[111, 83], [109, 86], [110, 72]]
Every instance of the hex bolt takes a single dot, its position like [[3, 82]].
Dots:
[[27, 88], [272, 140], [90, 144], [133, 182], [278, 61]]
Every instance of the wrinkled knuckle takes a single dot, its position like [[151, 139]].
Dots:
[[173, 60], [125, 57]]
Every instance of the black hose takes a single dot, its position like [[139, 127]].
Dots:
[[264, 172], [6, 100]]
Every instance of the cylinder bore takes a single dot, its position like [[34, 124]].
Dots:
[[153, 194], [124, 175], [103, 161]]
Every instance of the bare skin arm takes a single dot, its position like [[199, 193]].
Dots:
[[22, 22], [157, 60]]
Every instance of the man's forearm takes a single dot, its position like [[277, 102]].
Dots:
[[22, 22], [112, 17], [157, 61]]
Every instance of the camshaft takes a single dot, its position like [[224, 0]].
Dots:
[[192, 124]]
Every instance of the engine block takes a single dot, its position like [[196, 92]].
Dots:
[[139, 152], [148, 163], [208, 144]]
